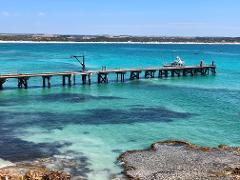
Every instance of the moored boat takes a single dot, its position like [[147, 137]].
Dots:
[[177, 62]]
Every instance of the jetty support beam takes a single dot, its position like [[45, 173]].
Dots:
[[122, 76], [150, 73], [160, 74], [203, 71], [189, 71], [213, 70], [48, 78], [23, 82], [195, 71], [74, 79], [165, 73], [207, 71], [135, 75], [184, 72], [89, 79], [102, 78], [86, 78], [177, 72], [69, 81], [2, 81]]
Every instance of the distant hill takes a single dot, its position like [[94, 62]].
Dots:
[[108, 38]]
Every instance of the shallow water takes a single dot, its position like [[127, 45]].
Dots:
[[96, 123]]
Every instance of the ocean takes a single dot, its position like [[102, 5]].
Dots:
[[94, 124]]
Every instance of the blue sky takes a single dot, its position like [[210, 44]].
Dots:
[[125, 17]]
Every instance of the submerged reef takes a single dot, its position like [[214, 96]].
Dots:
[[181, 160]]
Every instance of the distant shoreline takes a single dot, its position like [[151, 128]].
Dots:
[[106, 42]]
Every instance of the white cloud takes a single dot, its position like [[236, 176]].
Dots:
[[41, 14], [5, 13]]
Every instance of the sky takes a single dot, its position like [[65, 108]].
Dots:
[[122, 17]]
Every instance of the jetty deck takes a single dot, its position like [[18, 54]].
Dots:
[[69, 78]]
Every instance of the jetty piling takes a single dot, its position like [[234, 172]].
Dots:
[[122, 76], [48, 78], [150, 73], [23, 82], [69, 80], [74, 79], [160, 74], [102, 75], [165, 73], [84, 78], [135, 75], [2, 81], [89, 79]]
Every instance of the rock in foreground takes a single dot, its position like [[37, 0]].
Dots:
[[31, 172], [180, 160]]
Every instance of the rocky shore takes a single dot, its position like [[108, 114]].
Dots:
[[52, 168], [31, 172], [167, 160], [170, 160]]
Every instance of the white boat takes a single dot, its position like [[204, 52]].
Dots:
[[177, 62]]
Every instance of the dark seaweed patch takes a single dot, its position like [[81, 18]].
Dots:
[[13, 120], [118, 151], [86, 132], [133, 140], [189, 90], [5, 103], [15, 149], [74, 98], [133, 115], [58, 97]]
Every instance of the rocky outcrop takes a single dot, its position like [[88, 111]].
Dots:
[[31, 172], [58, 167], [180, 160]]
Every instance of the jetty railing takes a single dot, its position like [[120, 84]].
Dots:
[[69, 78]]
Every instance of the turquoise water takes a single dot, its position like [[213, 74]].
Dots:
[[94, 124]]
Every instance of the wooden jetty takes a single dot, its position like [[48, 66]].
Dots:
[[69, 78]]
